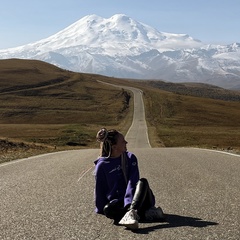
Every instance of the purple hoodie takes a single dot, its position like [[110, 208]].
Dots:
[[110, 181]]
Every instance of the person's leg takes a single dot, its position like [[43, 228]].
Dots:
[[147, 211], [141, 201], [143, 198], [114, 210]]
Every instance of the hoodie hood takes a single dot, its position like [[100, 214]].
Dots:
[[101, 159]]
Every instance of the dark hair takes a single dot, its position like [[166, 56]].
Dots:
[[107, 139]]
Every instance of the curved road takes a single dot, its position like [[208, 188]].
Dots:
[[51, 196], [137, 135]]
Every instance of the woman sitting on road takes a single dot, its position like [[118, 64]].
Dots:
[[119, 193]]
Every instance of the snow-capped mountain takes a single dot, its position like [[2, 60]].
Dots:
[[122, 47]]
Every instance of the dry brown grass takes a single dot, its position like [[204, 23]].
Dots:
[[57, 108], [42, 104], [182, 120], [191, 121]]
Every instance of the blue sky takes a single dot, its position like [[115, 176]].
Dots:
[[211, 21]]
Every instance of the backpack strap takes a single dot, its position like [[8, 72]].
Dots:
[[124, 165]]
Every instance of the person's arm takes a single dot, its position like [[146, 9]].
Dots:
[[133, 177], [100, 189]]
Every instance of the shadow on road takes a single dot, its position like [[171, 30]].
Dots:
[[173, 221]]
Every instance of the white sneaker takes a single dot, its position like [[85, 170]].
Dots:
[[130, 219], [154, 213]]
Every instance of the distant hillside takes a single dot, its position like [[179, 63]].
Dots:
[[16, 74], [36, 92], [198, 90], [41, 103], [59, 109]]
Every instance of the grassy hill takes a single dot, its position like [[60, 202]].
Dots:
[[47, 109], [178, 117], [42, 104]]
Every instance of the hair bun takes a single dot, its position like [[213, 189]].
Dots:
[[102, 135]]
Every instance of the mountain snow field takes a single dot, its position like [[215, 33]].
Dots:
[[121, 47]]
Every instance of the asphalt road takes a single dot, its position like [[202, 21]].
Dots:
[[51, 196], [137, 135]]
